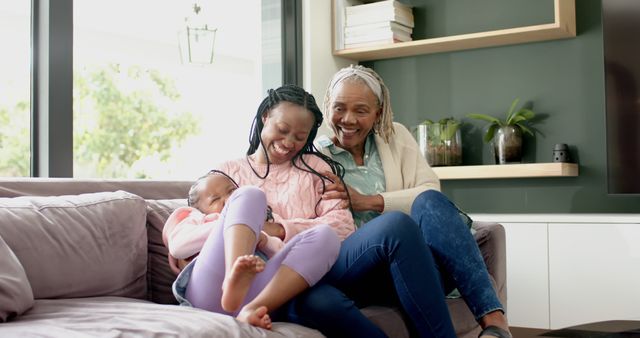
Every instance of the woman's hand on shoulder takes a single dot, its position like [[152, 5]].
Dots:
[[337, 190], [359, 202]]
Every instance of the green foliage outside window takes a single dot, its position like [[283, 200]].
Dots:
[[125, 118], [120, 117], [14, 140]]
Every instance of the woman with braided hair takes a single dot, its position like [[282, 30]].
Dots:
[[224, 226], [283, 161]]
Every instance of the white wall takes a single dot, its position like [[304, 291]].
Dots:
[[318, 63]]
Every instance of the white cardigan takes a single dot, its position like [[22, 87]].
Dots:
[[406, 171]]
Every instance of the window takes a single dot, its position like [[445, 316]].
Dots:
[[15, 100], [142, 111]]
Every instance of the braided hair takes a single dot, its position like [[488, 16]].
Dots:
[[296, 95]]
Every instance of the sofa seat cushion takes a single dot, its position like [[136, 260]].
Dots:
[[123, 317], [390, 320], [463, 321], [83, 245]]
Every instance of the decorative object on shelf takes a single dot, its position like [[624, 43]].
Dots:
[[440, 142], [506, 135], [196, 41], [376, 23], [563, 26], [507, 145], [561, 153]]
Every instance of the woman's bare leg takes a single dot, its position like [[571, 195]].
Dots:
[[301, 263], [241, 265], [214, 280], [284, 285]]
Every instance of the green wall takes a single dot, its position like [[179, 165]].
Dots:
[[563, 81]]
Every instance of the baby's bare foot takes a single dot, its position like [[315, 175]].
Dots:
[[238, 280], [256, 317]]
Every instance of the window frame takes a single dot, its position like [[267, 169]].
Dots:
[[52, 63], [52, 105], [292, 42]]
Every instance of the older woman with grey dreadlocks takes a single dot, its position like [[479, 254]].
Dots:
[[384, 174]]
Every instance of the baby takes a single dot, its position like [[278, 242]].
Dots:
[[205, 193], [206, 200], [189, 228]]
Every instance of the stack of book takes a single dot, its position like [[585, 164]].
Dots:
[[377, 23]]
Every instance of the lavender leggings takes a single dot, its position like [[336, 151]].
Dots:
[[311, 253]]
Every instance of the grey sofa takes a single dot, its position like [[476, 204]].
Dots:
[[89, 261]]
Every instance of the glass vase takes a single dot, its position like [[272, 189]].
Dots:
[[507, 145], [440, 144]]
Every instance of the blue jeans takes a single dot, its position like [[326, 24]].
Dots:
[[385, 262], [456, 252]]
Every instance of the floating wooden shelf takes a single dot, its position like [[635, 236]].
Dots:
[[564, 26], [468, 172]]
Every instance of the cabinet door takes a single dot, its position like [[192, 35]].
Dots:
[[595, 273], [527, 275]]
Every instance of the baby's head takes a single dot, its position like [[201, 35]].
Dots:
[[209, 193]]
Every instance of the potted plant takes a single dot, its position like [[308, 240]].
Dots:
[[440, 141], [506, 135]]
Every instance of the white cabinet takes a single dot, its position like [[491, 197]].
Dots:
[[570, 269], [595, 272], [527, 274]]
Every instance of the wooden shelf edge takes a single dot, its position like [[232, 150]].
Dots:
[[501, 37], [523, 170], [564, 26]]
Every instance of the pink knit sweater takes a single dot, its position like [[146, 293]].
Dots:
[[291, 193]]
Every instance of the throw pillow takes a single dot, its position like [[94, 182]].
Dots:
[[79, 245], [16, 296], [160, 275]]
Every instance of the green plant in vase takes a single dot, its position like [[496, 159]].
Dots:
[[441, 142], [506, 135]]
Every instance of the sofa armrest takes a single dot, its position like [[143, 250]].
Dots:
[[491, 239]]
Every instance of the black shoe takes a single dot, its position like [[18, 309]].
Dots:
[[495, 331]]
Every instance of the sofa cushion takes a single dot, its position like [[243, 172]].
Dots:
[[390, 320], [122, 317], [79, 245], [15, 292], [160, 276]]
